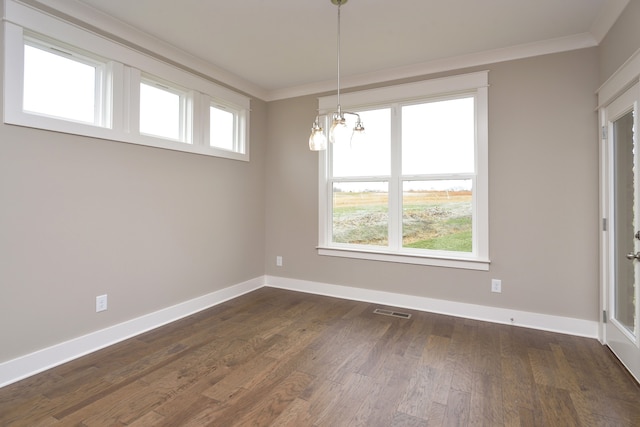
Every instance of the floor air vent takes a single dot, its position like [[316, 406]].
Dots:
[[392, 313]]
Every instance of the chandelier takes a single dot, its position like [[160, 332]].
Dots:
[[339, 132]]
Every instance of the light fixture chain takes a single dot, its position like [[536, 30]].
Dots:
[[338, 62]]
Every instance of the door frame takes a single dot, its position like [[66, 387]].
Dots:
[[617, 85]]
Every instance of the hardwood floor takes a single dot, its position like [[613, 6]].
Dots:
[[281, 358]]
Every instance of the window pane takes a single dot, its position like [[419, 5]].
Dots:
[[438, 137], [361, 213], [221, 128], [59, 86], [160, 113], [368, 154], [437, 215]]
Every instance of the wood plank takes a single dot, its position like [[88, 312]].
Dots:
[[458, 409], [269, 408], [486, 407], [295, 415], [276, 357], [379, 406], [352, 393], [557, 406]]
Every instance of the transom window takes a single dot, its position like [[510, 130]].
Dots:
[[415, 189], [60, 77], [61, 83], [223, 129], [163, 111]]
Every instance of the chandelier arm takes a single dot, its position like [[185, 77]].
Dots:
[[353, 114]]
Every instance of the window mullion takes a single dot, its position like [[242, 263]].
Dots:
[[190, 113], [326, 230], [395, 184], [98, 90], [184, 125], [115, 107], [199, 118], [132, 80]]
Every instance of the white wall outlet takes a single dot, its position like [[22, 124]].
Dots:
[[496, 285], [279, 261], [101, 303]]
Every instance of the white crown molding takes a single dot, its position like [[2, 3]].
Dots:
[[563, 44], [112, 27], [621, 80], [608, 16], [117, 30]]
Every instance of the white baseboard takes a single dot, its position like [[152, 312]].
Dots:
[[545, 322], [41, 360]]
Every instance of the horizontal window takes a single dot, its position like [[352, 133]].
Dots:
[[415, 190], [62, 84], [225, 130], [60, 77], [163, 111]]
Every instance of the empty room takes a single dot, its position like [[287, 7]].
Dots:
[[320, 213]]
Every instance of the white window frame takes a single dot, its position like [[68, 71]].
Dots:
[[474, 84], [185, 115], [102, 99], [124, 68], [239, 120]]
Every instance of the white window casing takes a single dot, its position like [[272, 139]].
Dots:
[[394, 97], [123, 70]]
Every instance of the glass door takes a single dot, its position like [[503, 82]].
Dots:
[[622, 333]]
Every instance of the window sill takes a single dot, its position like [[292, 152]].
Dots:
[[81, 129], [436, 261]]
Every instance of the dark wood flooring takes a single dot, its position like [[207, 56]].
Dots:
[[281, 358]]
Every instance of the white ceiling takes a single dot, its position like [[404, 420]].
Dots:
[[288, 47]]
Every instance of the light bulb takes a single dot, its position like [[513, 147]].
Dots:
[[317, 140], [339, 132], [359, 138]]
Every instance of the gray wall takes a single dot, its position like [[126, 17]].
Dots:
[[82, 217], [151, 228], [543, 177]]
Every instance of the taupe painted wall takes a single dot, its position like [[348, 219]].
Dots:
[[151, 228], [81, 217], [543, 159]]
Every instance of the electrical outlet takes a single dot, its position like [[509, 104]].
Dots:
[[101, 303], [496, 285], [279, 261]]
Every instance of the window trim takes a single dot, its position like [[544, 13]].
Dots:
[[185, 114], [238, 142], [102, 100], [124, 68], [473, 83]]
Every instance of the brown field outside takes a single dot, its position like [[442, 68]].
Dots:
[[431, 219]]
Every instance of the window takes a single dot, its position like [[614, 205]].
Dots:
[[60, 77], [415, 190], [163, 111], [63, 84], [222, 127]]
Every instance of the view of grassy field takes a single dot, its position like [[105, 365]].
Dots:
[[439, 220]]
